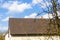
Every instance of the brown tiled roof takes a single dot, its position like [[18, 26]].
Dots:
[[28, 26]]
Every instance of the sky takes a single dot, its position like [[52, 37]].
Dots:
[[21, 9]]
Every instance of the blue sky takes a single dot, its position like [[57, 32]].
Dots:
[[21, 9]]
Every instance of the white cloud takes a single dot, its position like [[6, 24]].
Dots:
[[36, 1], [42, 3], [6, 19], [46, 16], [15, 7], [19, 8], [33, 15], [3, 28]]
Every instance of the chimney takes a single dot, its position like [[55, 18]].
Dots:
[[41, 17]]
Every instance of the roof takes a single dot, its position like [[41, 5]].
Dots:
[[28, 26]]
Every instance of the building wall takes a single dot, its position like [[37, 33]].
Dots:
[[31, 37], [7, 37]]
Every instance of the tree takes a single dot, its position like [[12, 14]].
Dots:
[[52, 9], [55, 9]]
